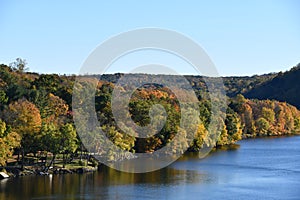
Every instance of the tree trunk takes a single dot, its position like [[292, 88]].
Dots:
[[18, 159], [51, 163], [45, 163], [81, 147], [64, 160], [23, 159]]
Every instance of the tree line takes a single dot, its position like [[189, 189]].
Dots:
[[36, 117]]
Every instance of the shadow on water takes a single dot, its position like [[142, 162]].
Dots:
[[189, 156], [231, 147], [73, 186]]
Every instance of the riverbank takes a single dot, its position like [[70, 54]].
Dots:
[[16, 171], [75, 168], [259, 169]]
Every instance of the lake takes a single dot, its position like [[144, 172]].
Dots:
[[264, 168]]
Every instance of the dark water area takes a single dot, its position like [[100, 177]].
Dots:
[[264, 168]]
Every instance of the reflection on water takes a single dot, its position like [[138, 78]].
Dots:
[[254, 169], [100, 183]]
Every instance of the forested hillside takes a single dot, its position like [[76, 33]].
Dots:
[[283, 87], [36, 114]]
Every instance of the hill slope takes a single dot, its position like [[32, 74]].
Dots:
[[284, 87]]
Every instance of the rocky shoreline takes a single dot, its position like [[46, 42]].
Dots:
[[11, 172]]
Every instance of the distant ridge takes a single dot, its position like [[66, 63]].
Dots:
[[283, 87]]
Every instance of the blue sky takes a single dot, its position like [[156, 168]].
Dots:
[[241, 37]]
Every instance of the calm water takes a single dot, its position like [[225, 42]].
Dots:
[[258, 169]]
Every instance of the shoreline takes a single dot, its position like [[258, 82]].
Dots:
[[16, 171], [35, 170]]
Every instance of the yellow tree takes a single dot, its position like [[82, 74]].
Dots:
[[55, 111], [224, 137], [24, 118], [249, 125], [201, 138], [8, 141]]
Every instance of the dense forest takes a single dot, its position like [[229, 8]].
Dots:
[[284, 87], [36, 115]]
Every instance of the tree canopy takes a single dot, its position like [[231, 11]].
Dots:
[[36, 113]]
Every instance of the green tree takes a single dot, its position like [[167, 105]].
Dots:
[[268, 114], [68, 141], [297, 124], [233, 126], [180, 143], [50, 140], [237, 103], [122, 140], [262, 126], [3, 98], [57, 140]]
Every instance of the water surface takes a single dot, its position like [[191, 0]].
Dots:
[[259, 169]]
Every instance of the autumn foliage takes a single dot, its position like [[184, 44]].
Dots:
[[36, 115]]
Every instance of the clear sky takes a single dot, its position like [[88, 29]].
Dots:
[[241, 37]]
